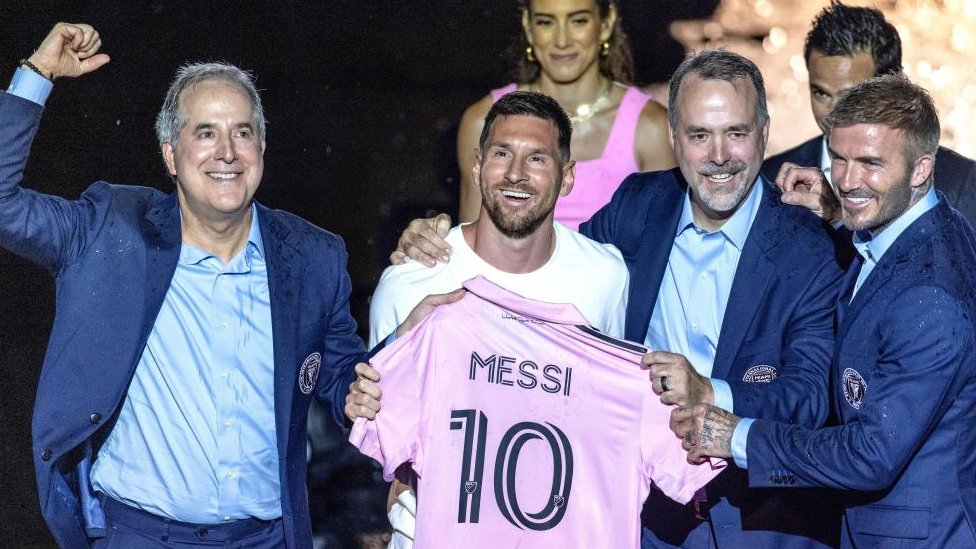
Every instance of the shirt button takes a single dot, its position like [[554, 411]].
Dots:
[[227, 518], [223, 324], [703, 276], [95, 418], [694, 325], [47, 454]]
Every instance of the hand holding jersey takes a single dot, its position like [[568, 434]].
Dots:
[[675, 380], [531, 384]]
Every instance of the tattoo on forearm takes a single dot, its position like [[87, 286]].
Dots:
[[716, 431]]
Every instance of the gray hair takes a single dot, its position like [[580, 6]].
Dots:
[[722, 65], [171, 118]]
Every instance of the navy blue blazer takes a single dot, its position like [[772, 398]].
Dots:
[[955, 175], [113, 253], [774, 346], [904, 374]]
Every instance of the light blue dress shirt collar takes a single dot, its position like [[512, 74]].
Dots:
[[191, 255], [737, 228], [873, 246]]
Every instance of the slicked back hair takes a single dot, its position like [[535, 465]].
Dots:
[[717, 64], [846, 31], [172, 118], [894, 101], [521, 103]]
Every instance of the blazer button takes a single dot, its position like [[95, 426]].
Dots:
[[47, 454], [95, 418]]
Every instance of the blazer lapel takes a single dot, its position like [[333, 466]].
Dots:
[[752, 276], [657, 240], [848, 282], [163, 243], [285, 269], [906, 243]]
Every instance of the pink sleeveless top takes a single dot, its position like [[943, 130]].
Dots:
[[597, 179]]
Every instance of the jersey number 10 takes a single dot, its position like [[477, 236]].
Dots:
[[506, 461]]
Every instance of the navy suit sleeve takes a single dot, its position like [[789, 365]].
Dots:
[[799, 393], [343, 347], [926, 344], [45, 229]]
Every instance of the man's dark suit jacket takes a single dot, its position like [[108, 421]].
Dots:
[[904, 377], [955, 175], [113, 253], [778, 321]]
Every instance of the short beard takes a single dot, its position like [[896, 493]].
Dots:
[[721, 203], [514, 228], [899, 199]]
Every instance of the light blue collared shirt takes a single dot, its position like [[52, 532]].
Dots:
[[871, 248], [687, 317], [195, 439], [29, 85]]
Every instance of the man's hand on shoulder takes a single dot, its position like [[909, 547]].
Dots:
[[423, 241], [809, 188], [69, 50]]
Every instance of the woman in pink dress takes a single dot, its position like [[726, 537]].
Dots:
[[575, 52]]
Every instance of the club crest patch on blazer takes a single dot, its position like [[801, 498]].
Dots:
[[854, 387], [309, 373], [760, 373]]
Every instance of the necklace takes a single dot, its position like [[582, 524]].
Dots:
[[586, 111]]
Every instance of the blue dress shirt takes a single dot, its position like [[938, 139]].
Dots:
[[871, 248], [195, 438], [687, 317]]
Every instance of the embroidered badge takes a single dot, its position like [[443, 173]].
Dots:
[[762, 373], [309, 373], [854, 387]]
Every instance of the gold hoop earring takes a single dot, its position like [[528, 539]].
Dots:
[[529, 54], [605, 49]]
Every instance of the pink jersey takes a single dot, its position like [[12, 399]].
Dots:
[[526, 427]]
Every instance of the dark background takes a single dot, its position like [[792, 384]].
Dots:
[[362, 99]]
